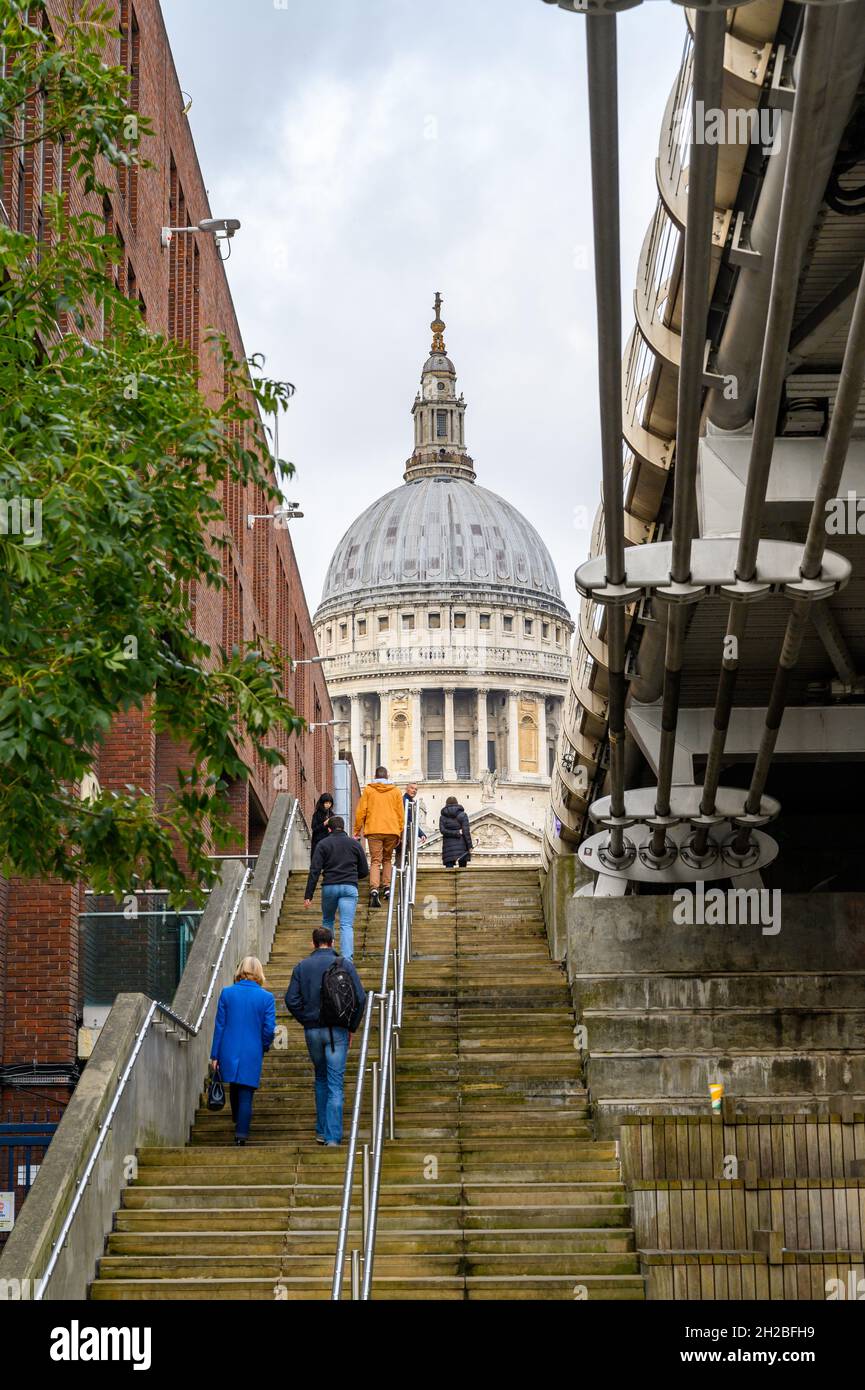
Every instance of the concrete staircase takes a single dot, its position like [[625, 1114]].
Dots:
[[493, 1188]]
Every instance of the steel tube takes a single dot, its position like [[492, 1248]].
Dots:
[[364, 1210], [816, 44], [348, 1180], [811, 91], [707, 86], [841, 427], [601, 52], [369, 1248]]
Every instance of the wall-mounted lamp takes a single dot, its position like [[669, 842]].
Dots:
[[288, 512], [310, 660], [323, 724]]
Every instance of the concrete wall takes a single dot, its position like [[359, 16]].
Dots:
[[777, 1016], [558, 885], [162, 1092]]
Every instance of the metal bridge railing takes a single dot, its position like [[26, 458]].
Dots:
[[387, 1004], [184, 1026]]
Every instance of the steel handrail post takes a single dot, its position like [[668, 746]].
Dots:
[[348, 1181], [376, 1161]]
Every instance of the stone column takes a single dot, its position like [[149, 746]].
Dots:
[[542, 734], [356, 735], [450, 772], [513, 737], [384, 732], [416, 736], [481, 765]]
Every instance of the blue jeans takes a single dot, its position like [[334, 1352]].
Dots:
[[340, 897], [241, 1098], [329, 1063]]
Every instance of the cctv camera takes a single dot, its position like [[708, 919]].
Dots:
[[228, 225]]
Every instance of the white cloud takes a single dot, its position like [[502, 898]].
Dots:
[[353, 216]]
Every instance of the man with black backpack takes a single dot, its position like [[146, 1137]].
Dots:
[[327, 999]]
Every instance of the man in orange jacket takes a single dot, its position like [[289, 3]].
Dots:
[[380, 815]]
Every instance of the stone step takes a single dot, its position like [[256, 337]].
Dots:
[[470, 1195], [391, 1240], [611, 1219], [541, 1288], [525, 1203]]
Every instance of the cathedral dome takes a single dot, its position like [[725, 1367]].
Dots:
[[439, 530]]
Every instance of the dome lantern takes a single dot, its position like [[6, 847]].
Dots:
[[439, 428]]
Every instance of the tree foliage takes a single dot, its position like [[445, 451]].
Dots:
[[111, 468]]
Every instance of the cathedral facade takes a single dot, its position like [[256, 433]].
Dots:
[[444, 637]]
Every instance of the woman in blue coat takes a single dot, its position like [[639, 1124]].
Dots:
[[245, 1027]]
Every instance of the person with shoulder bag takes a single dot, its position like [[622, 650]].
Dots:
[[327, 999], [245, 1027]]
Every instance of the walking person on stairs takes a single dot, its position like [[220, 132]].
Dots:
[[245, 1028], [327, 999], [341, 862], [380, 816], [456, 835]]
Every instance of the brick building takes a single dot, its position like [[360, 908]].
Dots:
[[182, 291]]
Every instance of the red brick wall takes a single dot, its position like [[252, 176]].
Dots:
[[184, 292]]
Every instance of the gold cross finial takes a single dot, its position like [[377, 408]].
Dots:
[[438, 327]]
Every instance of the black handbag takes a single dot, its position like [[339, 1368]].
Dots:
[[215, 1091]]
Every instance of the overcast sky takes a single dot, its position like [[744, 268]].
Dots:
[[379, 150]]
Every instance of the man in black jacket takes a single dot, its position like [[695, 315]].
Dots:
[[341, 861], [327, 1047]]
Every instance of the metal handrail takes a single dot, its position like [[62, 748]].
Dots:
[[191, 1030], [286, 836], [382, 1071]]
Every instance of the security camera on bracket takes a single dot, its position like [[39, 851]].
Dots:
[[223, 229]]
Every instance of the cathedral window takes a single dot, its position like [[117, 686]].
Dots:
[[441, 424], [435, 619], [361, 627], [484, 620], [459, 619], [408, 622], [528, 626], [507, 623], [383, 622], [343, 631], [545, 630]]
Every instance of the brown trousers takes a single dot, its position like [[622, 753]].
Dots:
[[381, 848]]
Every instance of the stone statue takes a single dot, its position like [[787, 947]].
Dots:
[[488, 785]]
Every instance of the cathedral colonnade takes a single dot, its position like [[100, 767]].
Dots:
[[450, 732]]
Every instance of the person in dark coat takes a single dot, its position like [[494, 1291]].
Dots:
[[245, 1028], [327, 1047], [456, 835], [320, 817]]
